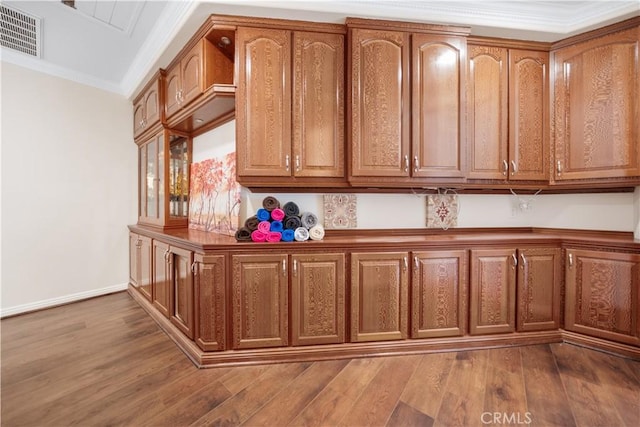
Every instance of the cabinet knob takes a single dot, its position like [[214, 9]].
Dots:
[[416, 263], [416, 164], [514, 168], [570, 260], [406, 163], [295, 267], [524, 260], [297, 164], [515, 259], [284, 267], [194, 268], [406, 263], [559, 168], [505, 167], [286, 162]]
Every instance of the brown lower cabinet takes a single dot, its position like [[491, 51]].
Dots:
[[602, 294], [181, 269], [439, 293], [140, 271], [161, 278], [379, 296], [509, 284], [209, 279]]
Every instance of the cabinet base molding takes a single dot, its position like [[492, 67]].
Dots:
[[204, 359], [607, 346]]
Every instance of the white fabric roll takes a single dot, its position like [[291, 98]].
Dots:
[[316, 232], [301, 234]]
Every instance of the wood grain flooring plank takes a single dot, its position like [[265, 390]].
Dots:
[[426, 387], [590, 403], [407, 416], [546, 398], [287, 404], [572, 361], [247, 401], [378, 400], [338, 397], [463, 401]]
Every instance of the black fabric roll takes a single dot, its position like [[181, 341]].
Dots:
[[251, 223], [243, 235], [291, 222], [291, 209], [270, 203]]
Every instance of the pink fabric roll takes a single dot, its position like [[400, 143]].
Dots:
[[274, 236], [264, 226], [258, 236], [277, 214]]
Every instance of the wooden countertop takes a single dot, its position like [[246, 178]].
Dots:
[[402, 239]]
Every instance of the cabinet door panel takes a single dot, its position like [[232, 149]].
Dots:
[[144, 271], [439, 286], [528, 115], [438, 99], [492, 291], [138, 118], [379, 103], [487, 99], [379, 296], [318, 104], [260, 301], [161, 278], [191, 77], [539, 279], [602, 295], [317, 299], [210, 297], [597, 91], [172, 87], [263, 112], [182, 290]]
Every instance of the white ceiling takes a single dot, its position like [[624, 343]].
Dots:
[[117, 45]]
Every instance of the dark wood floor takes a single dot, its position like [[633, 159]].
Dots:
[[105, 362]]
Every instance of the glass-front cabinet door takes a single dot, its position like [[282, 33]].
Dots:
[[164, 161]]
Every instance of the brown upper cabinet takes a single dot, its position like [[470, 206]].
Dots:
[[507, 105], [407, 101], [290, 115], [596, 105], [148, 107]]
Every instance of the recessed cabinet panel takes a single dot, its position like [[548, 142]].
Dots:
[[140, 272], [260, 301], [602, 294], [379, 108], [439, 294], [528, 115], [318, 105], [191, 69], [317, 299], [263, 110], [539, 279], [161, 278], [173, 86], [492, 291], [210, 301], [379, 296], [487, 110], [181, 262], [438, 105], [597, 99]]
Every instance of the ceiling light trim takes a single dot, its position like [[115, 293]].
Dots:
[[128, 30]]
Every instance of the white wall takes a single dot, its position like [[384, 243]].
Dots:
[[69, 173]]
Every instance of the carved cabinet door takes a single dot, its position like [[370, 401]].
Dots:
[[209, 297], [173, 86], [602, 295], [182, 310], [161, 278], [493, 291], [259, 292], [379, 296], [191, 67], [317, 299], [439, 293]]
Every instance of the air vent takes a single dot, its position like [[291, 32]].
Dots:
[[19, 31]]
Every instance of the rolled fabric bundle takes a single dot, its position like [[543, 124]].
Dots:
[[251, 223], [270, 203], [243, 234], [316, 232], [264, 226], [308, 219], [301, 234], [274, 236], [277, 214], [276, 226], [263, 215], [258, 236], [292, 222], [288, 235], [291, 209]]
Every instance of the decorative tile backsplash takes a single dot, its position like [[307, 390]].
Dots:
[[340, 211], [442, 210]]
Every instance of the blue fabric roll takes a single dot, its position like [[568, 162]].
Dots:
[[288, 235], [308, 220], [263, 215], [276, 226]]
